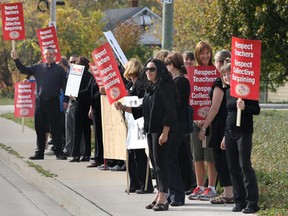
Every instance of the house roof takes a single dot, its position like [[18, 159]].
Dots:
[[115, 16]]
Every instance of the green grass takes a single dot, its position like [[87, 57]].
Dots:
[[270, 161], [37, 167], [29, 122], [6, 101]]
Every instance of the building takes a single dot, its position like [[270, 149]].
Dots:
[[149, 22]]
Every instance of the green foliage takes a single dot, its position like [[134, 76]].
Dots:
[[262, 20], [7, 92]]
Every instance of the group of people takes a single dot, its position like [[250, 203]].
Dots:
[[179, 160]]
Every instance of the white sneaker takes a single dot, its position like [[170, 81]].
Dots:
[[207, 194], [195, 194], [115, 168]]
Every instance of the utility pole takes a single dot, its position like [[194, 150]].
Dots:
[[52, 13], [167, 24]]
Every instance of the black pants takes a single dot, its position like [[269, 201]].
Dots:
[[82, 127], [158, 157], [175, 180], [137, 170], [97, 125], [238, 150], [47, 114], [221, 166], [186, 165]]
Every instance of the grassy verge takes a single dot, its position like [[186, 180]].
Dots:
[[37, 167], [6, 101], [29, 122], [270, 159]]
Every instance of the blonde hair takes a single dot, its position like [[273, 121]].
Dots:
[[161, 55], [198, 49], [133, 68]]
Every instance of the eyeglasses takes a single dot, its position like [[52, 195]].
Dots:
[[72, 62], [152, 69]]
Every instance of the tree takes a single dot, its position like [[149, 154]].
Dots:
[[217, 21]]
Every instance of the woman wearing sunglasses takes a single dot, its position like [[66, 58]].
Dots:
[[159, 111]]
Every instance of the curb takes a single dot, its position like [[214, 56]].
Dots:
[[73, 202]]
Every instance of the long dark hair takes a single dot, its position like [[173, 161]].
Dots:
[[85, 62], [163, 75], [162, 72]]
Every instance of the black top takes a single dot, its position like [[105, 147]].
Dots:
[[138, 88], [218, 123], [183, 92], [251, 108], [222, 113], [158, 108], [94, 94], [84, 90], [49, 78]]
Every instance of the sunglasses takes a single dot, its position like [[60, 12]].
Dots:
[[152, 69], [72, 62]]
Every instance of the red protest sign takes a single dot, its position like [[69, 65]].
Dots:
[[245, 68], [47, 38], [201, 79], [96, 74], [107, 66], [13, 21], [24, 99]]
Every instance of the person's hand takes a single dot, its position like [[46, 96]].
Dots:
[[240, 104], [65, 105], [102, 91], [202, 136], [199, 123], [72, 98], [222, 145], [90, 113], [14, 55], [119, 105], [163, 138]]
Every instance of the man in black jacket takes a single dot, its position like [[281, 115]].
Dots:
[[50, 79]]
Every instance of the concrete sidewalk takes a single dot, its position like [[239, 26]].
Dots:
[[87, 191]]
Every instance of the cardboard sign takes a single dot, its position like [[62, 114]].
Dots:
[[13, 21], [24, 99], [96, 74], [47, 38], [114, 131], [201, 79], [74, 80], [105, 62], [136, 138], [245, 68]]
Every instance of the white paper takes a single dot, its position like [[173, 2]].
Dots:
[[136, 139], [74, 80]]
